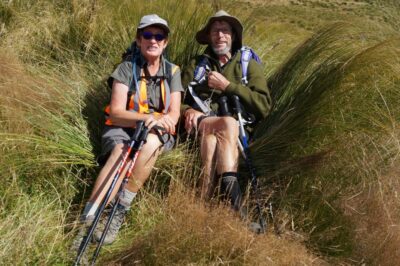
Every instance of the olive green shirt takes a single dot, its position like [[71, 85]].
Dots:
[[254, 96]]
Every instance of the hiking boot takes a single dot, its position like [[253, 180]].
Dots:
[[77, 243], [255, 228], [244, 213], [115, 225]]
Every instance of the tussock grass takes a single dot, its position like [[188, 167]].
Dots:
[[375, 213], [40, 114], [333, 127], [189, 232], [375, 152], [30, 226]]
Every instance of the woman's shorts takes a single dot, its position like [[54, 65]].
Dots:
[[115, 135]]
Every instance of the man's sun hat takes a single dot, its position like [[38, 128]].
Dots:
[[202, 35]]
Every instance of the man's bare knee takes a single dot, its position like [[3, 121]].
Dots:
[[228, 122], [229, 131]]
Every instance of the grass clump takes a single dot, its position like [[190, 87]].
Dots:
[[332, 128], [42, 126], [30, 226], [191, 233]]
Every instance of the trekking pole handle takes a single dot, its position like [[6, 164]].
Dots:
[[144, 134], [138, 130], [159, 128], [223, 106], [236, 104], [141, 131]]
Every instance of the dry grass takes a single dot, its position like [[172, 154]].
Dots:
[[191, 233], [375, 213], [30, 227], [15, 91], [41, 128]]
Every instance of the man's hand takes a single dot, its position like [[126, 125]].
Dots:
[[191, 118], [217, 81]]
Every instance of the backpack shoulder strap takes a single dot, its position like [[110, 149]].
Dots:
[[132, 54], [246, 55], [169, 70], [135, 74], [199, 74]]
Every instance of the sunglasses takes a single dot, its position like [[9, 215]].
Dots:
[[158, 36]]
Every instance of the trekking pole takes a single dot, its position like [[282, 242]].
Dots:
[[139, 138], [139, 128], [244, 147]]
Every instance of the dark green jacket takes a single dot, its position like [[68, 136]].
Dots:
[[254, 96]]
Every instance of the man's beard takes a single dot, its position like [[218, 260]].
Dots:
[[223, 51]]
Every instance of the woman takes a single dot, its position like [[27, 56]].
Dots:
[[145, 87]]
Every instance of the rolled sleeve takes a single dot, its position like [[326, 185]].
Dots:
[[123, 73], [176, 82]]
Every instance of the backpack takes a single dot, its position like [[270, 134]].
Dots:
[[246, 55]]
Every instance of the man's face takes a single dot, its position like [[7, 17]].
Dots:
[[221, 37]]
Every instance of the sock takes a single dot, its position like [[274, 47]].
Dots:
[[230, 189], [126, 197], [89, 212]]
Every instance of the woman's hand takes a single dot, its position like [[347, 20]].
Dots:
[[167, 123], [164, 121], [191, 118], [150, 121]]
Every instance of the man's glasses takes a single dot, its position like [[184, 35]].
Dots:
[[158, 36], [225, 31]]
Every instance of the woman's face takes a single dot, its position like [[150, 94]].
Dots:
[[152, 42]]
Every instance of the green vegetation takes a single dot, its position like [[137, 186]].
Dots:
[[327, 156]]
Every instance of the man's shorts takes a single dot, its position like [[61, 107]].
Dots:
[[113, 135]]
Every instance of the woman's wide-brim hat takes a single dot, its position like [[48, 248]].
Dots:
[[202, 36]]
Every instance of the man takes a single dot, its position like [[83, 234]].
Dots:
[[219, 134]]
